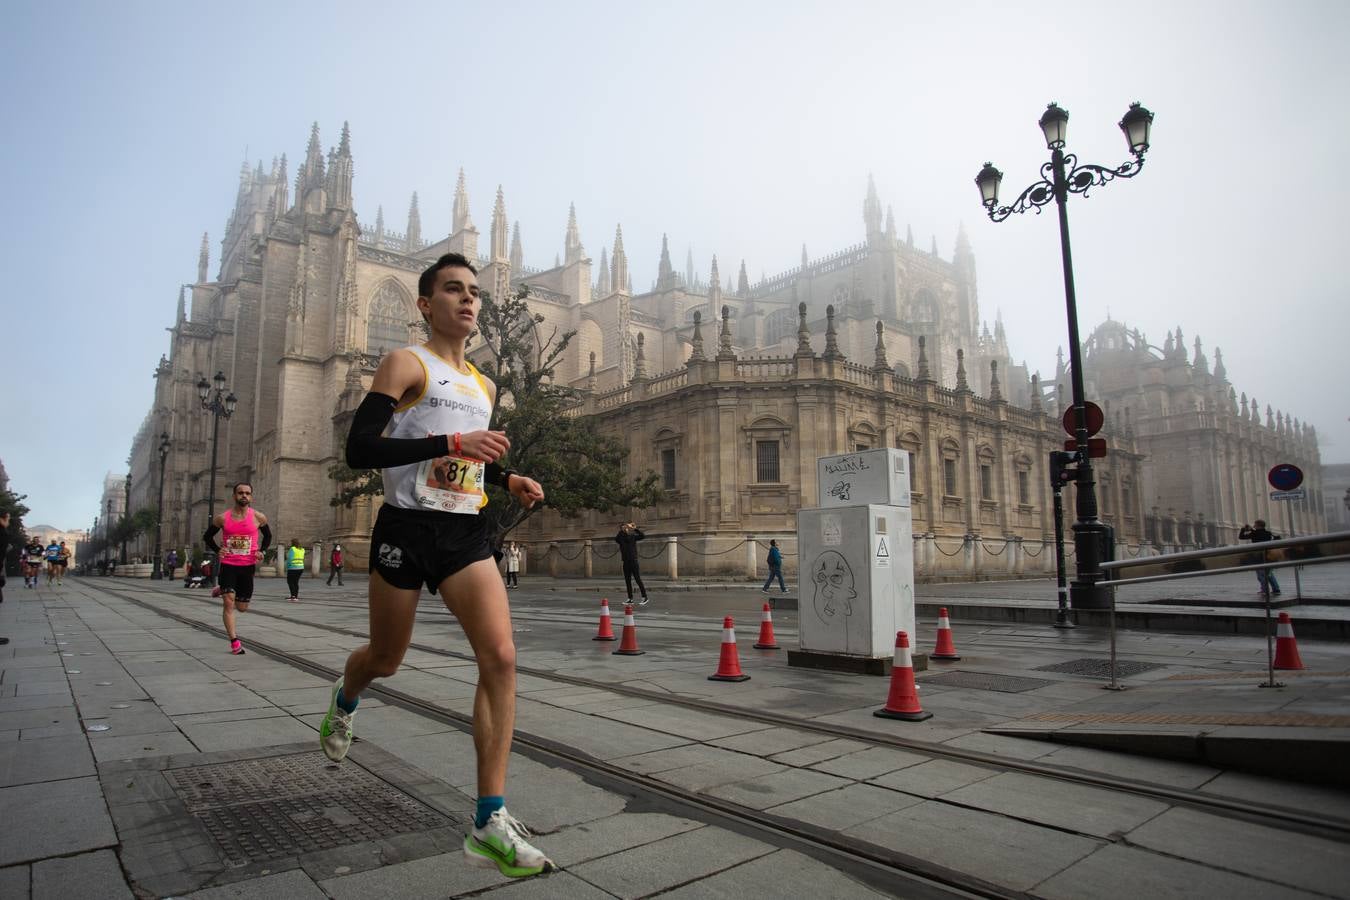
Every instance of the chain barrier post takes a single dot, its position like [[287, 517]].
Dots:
[[673, 557], [751, 557], [968, 555], [587, 564]]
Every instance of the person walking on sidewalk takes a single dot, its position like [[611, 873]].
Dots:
[[295, 567], [246, 537], [1259, 535], [627, 538], [335, 565], [171, 563], [775, 568], [437, 458], [4, 554], [512, 565]]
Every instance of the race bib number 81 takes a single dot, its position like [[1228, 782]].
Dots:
[[450, 484]]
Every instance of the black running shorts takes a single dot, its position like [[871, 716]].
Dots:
[[237, 580], [412, 547]]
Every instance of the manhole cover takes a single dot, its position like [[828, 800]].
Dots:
[[1100, 668], [986, 681], [263, 809]]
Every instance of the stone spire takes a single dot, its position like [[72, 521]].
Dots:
[[1036, 394], [1167, 345], [379, 226], [181, 315], [640, 361], [618, 264], [1232, 400], [724, 350], [805, 261], [689, 269], [665, 272], [742, 283], [961, 383], [963, 250], [714, 289], [280, 199], [1201, 364], [831, 336], [340, 172], [517, 252], [890, 225], [1256, 411], [934, 251], [880, 361], [311, 173], [1270, 417], [203, 259], [696, 354], [909, 237], [500, 251], [602, 288], [1220, 372], [872, 211], [803, 334], [414, 242], [573, 252], [924, 374], [1243, 413], [459, 217], [1180, 348], [995, 392]]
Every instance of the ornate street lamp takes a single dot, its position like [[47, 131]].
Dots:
[[1060, 177], [220, 405], [163, 448]]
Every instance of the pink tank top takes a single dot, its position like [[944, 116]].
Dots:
[[241, 539]]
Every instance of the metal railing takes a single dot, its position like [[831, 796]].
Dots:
[[1315, 549]]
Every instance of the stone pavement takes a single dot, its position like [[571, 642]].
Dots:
[[134, 752]]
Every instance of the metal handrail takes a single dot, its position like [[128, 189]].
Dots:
[[1310, 550]]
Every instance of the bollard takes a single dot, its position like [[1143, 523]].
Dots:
[[673, 557]]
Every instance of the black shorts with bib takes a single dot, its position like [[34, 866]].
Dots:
[[412, 547]]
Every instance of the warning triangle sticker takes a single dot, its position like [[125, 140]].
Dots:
[[881, 547]]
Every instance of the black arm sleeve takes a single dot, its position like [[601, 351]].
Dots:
[[209, 537], [266, 534], [498, 475], [367, 448]]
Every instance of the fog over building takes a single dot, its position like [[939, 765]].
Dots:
[[728, 388]]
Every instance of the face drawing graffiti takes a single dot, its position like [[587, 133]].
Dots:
[[834, 586]]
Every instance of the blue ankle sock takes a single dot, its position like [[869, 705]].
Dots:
[[347, 706], [486, 807]]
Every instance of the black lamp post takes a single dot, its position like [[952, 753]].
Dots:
[[221, 406], [1060, 177], [163, 448], [107, 535], [126, 517]]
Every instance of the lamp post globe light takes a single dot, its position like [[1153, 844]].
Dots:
[[163, 448], [216, 401], [1061, 176]]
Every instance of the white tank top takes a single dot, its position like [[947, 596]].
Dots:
[[450, 401]]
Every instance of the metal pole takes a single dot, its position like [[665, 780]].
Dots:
[[1270, 681], [1289, 527], [156, 573], [1113, 685], [1087, 591], [1062, 616]]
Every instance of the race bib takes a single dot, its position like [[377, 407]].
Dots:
[[239, 544], [450, 484]]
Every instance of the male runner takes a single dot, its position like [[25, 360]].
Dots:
[[429, 532], [62, 561], [243, 526], [52, 556], [32, 562], [4, 553]]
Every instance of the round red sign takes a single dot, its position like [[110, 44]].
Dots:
[[1095, 419]]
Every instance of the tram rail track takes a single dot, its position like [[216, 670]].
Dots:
[[874, 862]]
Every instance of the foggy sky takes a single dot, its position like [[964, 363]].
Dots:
[[745, 130]]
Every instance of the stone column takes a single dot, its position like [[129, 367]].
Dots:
[[316, 556], [751, 556], [969, 549], [673, 557], [587, 568]]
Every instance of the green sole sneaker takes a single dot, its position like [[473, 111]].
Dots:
[[335, 733]]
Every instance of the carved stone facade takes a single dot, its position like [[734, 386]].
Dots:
[[730, 391]]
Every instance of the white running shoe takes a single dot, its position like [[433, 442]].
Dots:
[[501, 843], [335, 732]]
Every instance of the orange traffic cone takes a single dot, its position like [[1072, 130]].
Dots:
[[628, 646], [606, 632], [766, 640], [1286, 648], [728, 664], [903, 701], [945, 648]]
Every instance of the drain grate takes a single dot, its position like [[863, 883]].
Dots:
[[263, 809], [1100, 668], [987, 681]]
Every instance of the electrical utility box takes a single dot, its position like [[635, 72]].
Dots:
[[868, 476], [856, 584]]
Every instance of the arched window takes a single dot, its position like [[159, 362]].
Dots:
[[985, 456], [388, 323]]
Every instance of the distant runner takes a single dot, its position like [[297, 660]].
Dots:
[[244, 527]]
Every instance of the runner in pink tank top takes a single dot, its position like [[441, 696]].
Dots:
[[246, 537]]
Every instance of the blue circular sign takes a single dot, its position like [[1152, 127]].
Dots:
[[1285, 477]]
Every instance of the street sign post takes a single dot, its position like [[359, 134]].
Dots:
[[1287, 480]]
